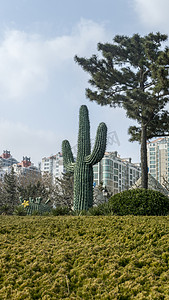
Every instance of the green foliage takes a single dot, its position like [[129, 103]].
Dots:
[[4, 209], [19, 211], [100, 210], [33, 190], [10, 187], [84, 257], [132, 73], [139, 202], [83, 167], [60, 211]]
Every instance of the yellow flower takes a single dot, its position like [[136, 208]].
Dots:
[[25, 203]]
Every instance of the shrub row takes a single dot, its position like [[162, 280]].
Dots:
[[132, 202]]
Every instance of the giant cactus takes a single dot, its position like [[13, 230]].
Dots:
[[83, 166]]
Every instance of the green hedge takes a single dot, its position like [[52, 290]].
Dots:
[[139, 202]]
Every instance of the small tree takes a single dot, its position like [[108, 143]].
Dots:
[[165, 183], [35, 186], [10, 190], [133, 74], [63, 190]]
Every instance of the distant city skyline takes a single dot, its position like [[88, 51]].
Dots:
[[42, 88]]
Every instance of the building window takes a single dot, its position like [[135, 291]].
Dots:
[[115, 184], [115, 172], [106, 161], [95, 168], [115, 178], [95, 175], [107, 168]]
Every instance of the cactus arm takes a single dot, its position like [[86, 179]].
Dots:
[[68, 160], [99, 147]]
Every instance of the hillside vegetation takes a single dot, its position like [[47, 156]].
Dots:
[[109, 257]]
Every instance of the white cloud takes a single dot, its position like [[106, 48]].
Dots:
[[21, 141], [28, 62], [153, 13]]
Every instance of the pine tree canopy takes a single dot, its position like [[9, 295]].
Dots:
[[132, 73]]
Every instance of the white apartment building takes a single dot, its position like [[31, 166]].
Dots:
[[117, 174], [6, 162], [6, 159], [158, 158], [53, 165], [25, 167], [26, 171]]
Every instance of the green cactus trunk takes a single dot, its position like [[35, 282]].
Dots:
[[83, 173], [83, 186], [83, 167]]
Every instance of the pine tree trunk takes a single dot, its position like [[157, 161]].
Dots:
[[144, 167]]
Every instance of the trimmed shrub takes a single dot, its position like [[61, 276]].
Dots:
[[139, 202]]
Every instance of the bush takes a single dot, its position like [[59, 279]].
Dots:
[[139, 202], [19, 211], [4, 209], [100, 210], [60, 211]]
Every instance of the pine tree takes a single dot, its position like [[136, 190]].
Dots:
[[10, 188], [133, 74]]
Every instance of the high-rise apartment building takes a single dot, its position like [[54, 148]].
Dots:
[[53, 165], [158, 159], [117, 174]]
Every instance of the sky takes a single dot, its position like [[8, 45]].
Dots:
[[41, 86]]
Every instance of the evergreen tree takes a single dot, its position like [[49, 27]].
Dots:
[[10, 190], [132, 73]]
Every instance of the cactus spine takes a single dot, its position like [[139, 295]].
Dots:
[[83, 167]]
